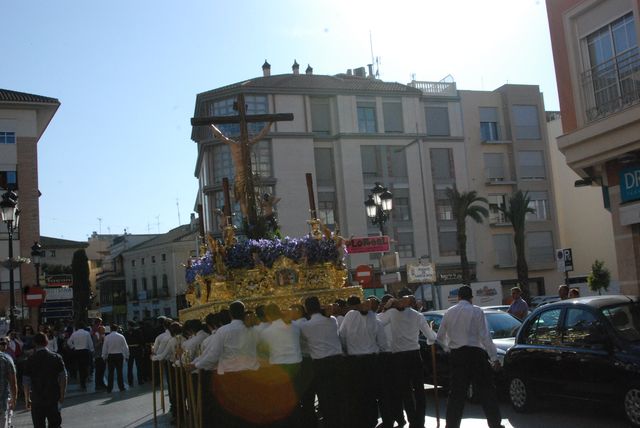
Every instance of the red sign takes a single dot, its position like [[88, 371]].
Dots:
[[35, 297], [364, 274], [368, 244]]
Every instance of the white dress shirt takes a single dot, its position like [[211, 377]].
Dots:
[[168, 352], [465, 325], [161, 342], [52, 344], [406, 326], [232, 348], [282, 341], [321, 334], [359, 333], [192, 344], [115, 343], [304, 346], [81, 339]]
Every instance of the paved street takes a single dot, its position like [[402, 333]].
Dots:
[[133, 408]]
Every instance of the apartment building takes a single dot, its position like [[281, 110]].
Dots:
[[23, 120], [597, 62], [352, 131]]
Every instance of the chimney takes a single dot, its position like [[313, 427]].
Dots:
[[309, 70], [266, 69], [295, 67], [370, 70], [349, 72]]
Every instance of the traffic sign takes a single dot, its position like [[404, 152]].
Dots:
[[364, 275], [35, 297], [564, 260]]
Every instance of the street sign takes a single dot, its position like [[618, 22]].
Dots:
[[35, 297], [62, 280], [390, 278], [364, 275], [564, 260], [368, 244], [59, 294], [421, 273]]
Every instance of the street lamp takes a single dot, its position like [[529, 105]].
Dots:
[[10, 216], [36, 256], [379, 205]]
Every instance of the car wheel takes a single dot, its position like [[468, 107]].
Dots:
[[520, 395], [632, 405]]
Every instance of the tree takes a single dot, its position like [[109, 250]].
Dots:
[[465, 205], [599, 277], [516, 212], [81, 285]]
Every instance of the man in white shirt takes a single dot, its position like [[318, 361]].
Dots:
[[361, 334], [321, 334], [82, 344], [465, 334], [408, 371], [114, 351]]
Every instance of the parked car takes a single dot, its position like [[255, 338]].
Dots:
[[502, 326], [543, 300], [586, 348]]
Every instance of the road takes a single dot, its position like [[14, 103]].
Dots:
[[133, 408]]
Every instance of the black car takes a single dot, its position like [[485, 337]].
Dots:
[[586, 348], [502, 326]]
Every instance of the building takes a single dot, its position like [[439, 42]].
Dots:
[[597, 63], [59, 252], [23, 120], [154, 273], [97, 250], [352, 130]]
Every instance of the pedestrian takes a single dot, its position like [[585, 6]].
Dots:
[[563, 292], [574, 293], [407, 367], [99, 362], [8, 385], [135, 340], [114, 351], [519, 307], [82, 345], [44, 383], [464, 334], [167, 356]]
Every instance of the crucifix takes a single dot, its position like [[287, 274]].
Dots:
[[240, 149]]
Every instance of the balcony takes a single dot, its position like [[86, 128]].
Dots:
[[612, 85], [443, 88]]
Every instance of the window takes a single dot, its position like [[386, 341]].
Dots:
[[489, 124], [261, 159], [444, 210], [531, 165], [142, 261], [447, 242], [579, 324], [327, 208], [503, 245], [134, 289], [437, 121], [540, 248], [392, 112], [494, 167], [539, 201], [544, 329], [382, 162], [164, 257], [144, 284], [497, 202], [7, 137], [165, 282], [167, 312], [405, 244], [367, 117], [320, 116], [8, 180], [154, 286], [52, 253], [255, 104], [371, 162], [442, 164], [611, 82], [222, 164], [133, 263], [153, 259], [401, 209], [525, 122], [324, 166]]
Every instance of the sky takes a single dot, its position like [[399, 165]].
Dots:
[[118, 153]]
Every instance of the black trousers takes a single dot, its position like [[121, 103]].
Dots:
[[470, 364], [82, 358], [43, 413], [390, 408], [101, 365], [329, 374], [308, 397], [409, 386], [135, 357], [114, 363], [361, 391]]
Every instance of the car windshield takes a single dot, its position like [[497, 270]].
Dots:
[[502, 325], [625, 319]]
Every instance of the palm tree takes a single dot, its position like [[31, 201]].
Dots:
[[516, 212], [465, 205]]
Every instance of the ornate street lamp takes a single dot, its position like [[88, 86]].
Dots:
[[379, 205], [10, 217], [36, 257]]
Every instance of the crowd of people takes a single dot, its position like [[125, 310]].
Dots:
[[360, 359]]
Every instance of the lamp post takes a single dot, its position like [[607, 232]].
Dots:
[[10, 216], [379, 205], [36, 256]]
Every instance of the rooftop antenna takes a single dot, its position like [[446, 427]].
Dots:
[[374, 59], [100, 225], [148, 227], [158, 222], [178, 207]]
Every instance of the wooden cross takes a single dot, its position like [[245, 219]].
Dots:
[[241, 151]]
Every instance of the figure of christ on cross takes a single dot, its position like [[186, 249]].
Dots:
[[244, 190]]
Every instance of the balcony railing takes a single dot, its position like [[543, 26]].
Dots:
[[612, 86], [436, 88]]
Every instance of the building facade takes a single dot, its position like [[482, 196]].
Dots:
[[597, 62], [23, 119], [352, 131]]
